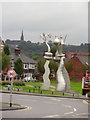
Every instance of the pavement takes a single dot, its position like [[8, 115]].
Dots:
[[6, 107], [46, 107]]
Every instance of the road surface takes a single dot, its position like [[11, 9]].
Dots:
[[46, 107]]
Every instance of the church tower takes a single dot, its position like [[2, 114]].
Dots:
[[22, 36]]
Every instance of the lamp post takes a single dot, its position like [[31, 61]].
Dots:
[[12, 66]]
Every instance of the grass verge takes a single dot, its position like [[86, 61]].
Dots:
[[29, 87]]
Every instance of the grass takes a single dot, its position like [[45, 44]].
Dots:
[[0, 87], [33, 83], [7, 103], [75, 87]]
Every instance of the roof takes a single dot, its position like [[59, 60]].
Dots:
[[84, 59], [77, 53], [66, 59], [23, 57]]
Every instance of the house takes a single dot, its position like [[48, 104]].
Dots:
[[1, 45], [29, 64], [71, 54], [77, 64]]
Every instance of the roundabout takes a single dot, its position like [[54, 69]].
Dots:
[[46, 107]]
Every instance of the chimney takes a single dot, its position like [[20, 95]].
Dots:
[[74, 55], [66, 56], [17, 50]]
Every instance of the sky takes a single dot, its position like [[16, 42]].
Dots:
[[56, 18]]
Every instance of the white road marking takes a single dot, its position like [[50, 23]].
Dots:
[[70, 107], [51, 116], [75, 109], [85, 102], [83, 114], [68, 113], [67, 106], [55, 99], [50, 103]]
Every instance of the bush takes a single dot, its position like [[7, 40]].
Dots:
[[5, 83], [41, 80], [36, 75], [15, 82], [18, 83]]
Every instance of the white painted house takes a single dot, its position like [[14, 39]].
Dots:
[[29, 64]]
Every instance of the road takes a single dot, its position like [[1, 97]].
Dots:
[[46, 107]]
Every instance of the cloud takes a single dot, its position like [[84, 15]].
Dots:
[[55, 18]]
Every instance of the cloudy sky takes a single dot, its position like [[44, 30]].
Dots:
[[55, 18]]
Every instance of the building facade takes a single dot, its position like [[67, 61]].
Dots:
[[1, 45], [77, 63], [29, 64]]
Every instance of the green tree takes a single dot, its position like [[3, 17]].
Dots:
[[6, 50], [53, 50], [53, 66], [40, 66], [69, 65], [5, 61], [36, 57], [19, 67]]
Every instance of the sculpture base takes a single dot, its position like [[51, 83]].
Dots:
[[60, 88], [46, 79]]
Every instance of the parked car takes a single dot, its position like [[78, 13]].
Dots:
[[29, 79]]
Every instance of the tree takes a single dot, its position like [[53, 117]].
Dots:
[[19, 67], [40, 66], [5, 61], [36, 57], [53, 50], [6, 50], [69, 65], [53, 66]]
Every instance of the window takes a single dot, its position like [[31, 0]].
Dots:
[[25, 66], [31, 66]]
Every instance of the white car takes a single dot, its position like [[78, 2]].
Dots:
[[28, 79]]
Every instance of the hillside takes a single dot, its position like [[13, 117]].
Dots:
[[37, 49]]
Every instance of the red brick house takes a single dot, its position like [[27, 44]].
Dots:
[[77, 64]]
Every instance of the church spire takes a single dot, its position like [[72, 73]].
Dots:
[[22, 36]]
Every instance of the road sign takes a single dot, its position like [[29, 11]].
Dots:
[[11, 73]]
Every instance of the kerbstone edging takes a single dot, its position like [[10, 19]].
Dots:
[[46, 95], [5, 107]]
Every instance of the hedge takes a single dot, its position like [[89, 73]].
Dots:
[[18, 83], [15, 82]]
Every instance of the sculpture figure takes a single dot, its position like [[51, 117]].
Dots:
[[63, 81], [62, 77], [46, 83]]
